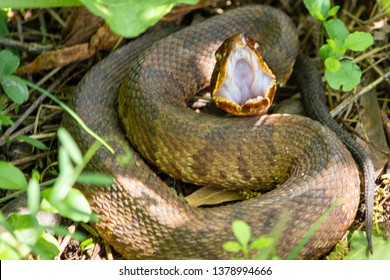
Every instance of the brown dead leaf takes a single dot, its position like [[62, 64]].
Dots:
[[212, 196], [80, 26], [52, 59], [370, 128]]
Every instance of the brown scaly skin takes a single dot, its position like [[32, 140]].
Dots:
[[141, 217]]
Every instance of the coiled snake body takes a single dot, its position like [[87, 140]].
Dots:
[[141, 217]]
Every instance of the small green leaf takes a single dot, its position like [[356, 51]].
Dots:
[[9, 62], [260, 243], [332, 64], [5, 120], [241, 231], [33, 142], [87, 244], [15, 89], [318, 8], [336, 29], [11, 178], [347, 77], [232, 246], [325, 51], [332, 11], [95, 179], [358, 41], [70, 146]]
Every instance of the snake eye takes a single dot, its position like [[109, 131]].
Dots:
[[218, 56]]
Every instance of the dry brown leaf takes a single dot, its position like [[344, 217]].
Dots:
[[52, 59], [370, 128], [212, 196], [79, 27]]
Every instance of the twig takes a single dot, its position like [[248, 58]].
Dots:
[[28, 47]]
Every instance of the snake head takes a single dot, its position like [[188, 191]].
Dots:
[[242, 84]]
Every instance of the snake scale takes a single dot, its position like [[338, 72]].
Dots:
[[140, 216]]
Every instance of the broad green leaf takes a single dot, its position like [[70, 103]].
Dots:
[[336, 29], [241, 231], [26, 228], [33, 142], [332, 64], [70, 146], [11, 178], [130, 18], [346, 78], [15, 89], [232, 246], [47, 247], [95, 179], [9, 62], [358, 41], [358, 247], [10, 249], [318, 8]]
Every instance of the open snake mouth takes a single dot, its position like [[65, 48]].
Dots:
[[242, 82]]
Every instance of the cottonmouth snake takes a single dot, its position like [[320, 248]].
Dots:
[[141, 217]]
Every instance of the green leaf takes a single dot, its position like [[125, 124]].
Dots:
[[232, 246], [3, 23], [332, 11], [336, 29], [15, 89], [358, 247], [33, 196], [9, 62], [24, 4], [358, 41], [325, 51], [47, 247], [10, 249], [95, 179], [260, 243], [75, 206], [346, 78], [70, 146], [132, 17], [5, 120], [241, 231], [318, 8], [33, 142], [26, 228], [332, 64], [11, 178]]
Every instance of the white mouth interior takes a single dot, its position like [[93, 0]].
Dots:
[[245, 82]]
